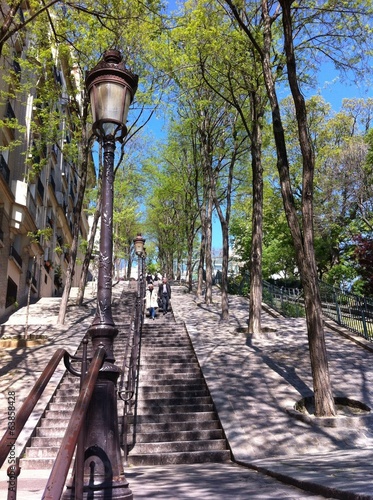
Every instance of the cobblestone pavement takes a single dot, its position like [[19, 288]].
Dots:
[[253, 382]]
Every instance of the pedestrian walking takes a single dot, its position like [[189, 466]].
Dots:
[[164, 293], [151, 300]]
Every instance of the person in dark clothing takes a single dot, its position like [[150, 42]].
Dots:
[[149, 278], [164, 293]]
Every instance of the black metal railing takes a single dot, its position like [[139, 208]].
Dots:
[[4, 169], [287, 301], [9, 112], [15, 255], [348, 310], [52, 183], [129, 377], [40, 188]]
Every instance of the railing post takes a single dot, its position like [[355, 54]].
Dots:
[[337, 309], [13, 473], [79, 458]]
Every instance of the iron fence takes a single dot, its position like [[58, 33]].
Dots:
[[347, 309]]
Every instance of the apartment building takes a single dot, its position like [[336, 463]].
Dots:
[[38, 184]]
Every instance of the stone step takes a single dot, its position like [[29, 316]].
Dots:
[[38, 464], [163, 357], [190, 378], [146, 408], [177, 400], [175, 417], [189, 457], [58, 415], [166, 377], [179, 435], [46, 441], [50, 432], [164, 342], [38, 452], [57, 423], [160, 427], [167, 364], [170, 370], [198, 389], [62, 406], [179, 446]]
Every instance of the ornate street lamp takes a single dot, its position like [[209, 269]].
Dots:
[[111, 89], [139, 242]]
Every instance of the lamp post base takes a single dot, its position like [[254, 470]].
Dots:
[[118, 490], [103, 476]]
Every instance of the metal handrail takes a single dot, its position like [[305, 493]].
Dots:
[[65, 454], [126, 385], [130, 370], [11, 434]]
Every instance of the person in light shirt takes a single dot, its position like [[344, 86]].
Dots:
[[164, 293], [151, 300]]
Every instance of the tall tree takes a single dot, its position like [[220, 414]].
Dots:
[[302, 234]]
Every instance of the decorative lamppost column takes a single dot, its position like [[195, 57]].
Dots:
[[139, 242], [111, 89]]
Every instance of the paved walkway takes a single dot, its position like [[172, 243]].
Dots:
[[254, 384]]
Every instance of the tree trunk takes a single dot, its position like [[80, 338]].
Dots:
[[87, 257], [201, 265], [129, 264], [208, 256], [224, 273], [256, 283], [324, 401], [77, 215], [189, 260]]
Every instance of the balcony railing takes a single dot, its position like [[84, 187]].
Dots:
[[9, 113], [40, 188], [15, 255], [16, 67], [52, 183], [4, 169], [31, 204], [50, 222]]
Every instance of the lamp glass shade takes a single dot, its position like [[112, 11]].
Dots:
[[110, 104], [139, 244]]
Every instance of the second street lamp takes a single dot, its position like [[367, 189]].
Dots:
[[111, 89]]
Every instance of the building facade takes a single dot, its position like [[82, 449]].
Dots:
[[39, 183]]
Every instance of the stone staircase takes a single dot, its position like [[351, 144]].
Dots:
[[175, 420], [41, 451]]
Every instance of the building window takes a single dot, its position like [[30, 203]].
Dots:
[[11, 293]]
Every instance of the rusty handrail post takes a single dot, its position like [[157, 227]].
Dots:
[[57, 478], [122, 391], [79, 457], [13, 473], [11, 434]]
